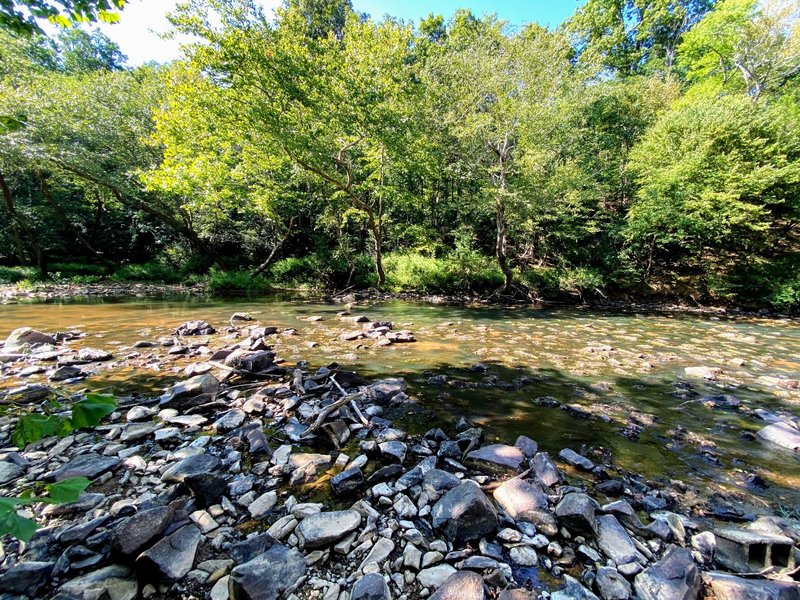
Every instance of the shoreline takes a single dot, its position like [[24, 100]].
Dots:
[[10, 293]]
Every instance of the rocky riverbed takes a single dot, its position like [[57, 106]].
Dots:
[[253, 478]]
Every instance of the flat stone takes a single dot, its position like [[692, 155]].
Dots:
[[190, 466], [324, 528], [465, 513], [612, 585], [464, 585], [434, 577], [65, 372], [268, 576], [260, 507], [370, 587], [576, 512], [544, 470], [135, 532], [576, 460], [87, 465], [379, 552], [26, 577], [614, 541], [782, 434], [729, 587], [137, 431], [675, 576], [496, 458], [174, 555], [520, 499], [115, 582]]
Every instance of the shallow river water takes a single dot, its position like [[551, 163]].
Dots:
[[625, 369]]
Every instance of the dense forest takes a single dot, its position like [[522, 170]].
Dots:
[[641, 149]]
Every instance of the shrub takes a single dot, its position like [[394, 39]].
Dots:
[[235, 282], [150, 271], [17, 274], [456, 272]]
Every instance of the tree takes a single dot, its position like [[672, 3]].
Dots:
[[629, 37], [81, 51], [20, 15]]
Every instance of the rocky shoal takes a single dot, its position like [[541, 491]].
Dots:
[[254, 480]]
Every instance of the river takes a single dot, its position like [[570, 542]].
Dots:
[[625, 369]]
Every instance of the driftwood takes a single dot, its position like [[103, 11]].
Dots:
[[489, 487], [353, 404], [326, 411], [233, 371]]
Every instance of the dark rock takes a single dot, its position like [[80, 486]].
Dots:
[[268, 576], [527, 445], [496, 458], [465, 513], [109, 583], [207, 488], [394, 450], [189, 466], [174, 555], [576, 513], [675, 577], [195, 328], [86, 465], [66, 372], [386, 473], [612, 585], [612, 487], [135, 532], [386, 389], [347, 481], [463, 585], [251, 548], [26, 577], [576, 460], [370, 587], [614, 541], [436, 482]]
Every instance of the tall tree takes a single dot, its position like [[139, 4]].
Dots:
[[20, 15]]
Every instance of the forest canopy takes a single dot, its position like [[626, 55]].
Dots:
[[639, 149]]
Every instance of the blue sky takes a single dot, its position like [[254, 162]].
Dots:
[[142, 21]]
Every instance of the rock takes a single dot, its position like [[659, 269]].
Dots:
[[379, 552], [26, 577], [268, 576], [386, 389], [709, 373], [254, 362], [87, 465], [26, 394], [729, 587], [325, 528], [9, 471], [133, 533], [65, 372], [521, 499], [191, 388], [465, 513], [195, 328], [576, 512], [496, 458], [436, 482], [395, 450], [527, 445], [18, 338], [782, 434], [524, 555], [229, 421], [748, 551], [174, 555], [576, 460], [196, 464], [347, 482], [260, 507], [207, 488], [544, 470], [370, 587], [675, 577], [109, 583], [573, 590], [464, 585], [251, 548], [435, 577], [517, 594], [614, 541], [612, 585], [89, 355], [706, 544]]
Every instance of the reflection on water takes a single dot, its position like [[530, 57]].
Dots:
[[627, 369]]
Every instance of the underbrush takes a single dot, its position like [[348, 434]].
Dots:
[[466, 271], [231, 282]]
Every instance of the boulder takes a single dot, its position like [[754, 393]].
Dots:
[[195, 328], [23, 336], [464, 585], [782, 434], [465, 513], [268, 576], [675, 576], [109, 583], [576, 513], [174, 555], [370, 587], [496, 458], [324, 528]]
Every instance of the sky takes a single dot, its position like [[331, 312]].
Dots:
[[142, 21]]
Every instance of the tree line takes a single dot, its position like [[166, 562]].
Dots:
[[643, 147]]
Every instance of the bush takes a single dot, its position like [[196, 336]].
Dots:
[[17, 274], [456, 272], [150, 272], [324, 270], [71, 271], [235, 282]]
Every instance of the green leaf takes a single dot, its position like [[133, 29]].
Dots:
[[33, 427], [66, 491], [13, 524], [89, 411], [11, 123]]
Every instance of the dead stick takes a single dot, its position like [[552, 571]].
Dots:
[[493, 486]]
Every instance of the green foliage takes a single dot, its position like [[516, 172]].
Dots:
[[153, 271], [86, 412], [17, 274], [60, 12], [230, 282], [22, 528], [457, 272]]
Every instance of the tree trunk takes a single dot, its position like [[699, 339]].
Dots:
[[12, 217], [263, 266], [501, 241]]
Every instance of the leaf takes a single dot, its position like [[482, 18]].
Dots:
[[11, 123], [89, 411], [13, 524], [33, 427], [66, 491]]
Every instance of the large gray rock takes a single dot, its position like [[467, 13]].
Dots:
[[23, 336], [465, 513], [133, 533], [614, 541], [193, 387], [496, 458], [87, 465], [109, 583], [675, 577], [386, 389], [464, 585], [370, 587], [190, 466], [174, 555], [544, 470], [268, 576], [611, 585], [521, 499], [576, 512], [325, 528], [729, 587], [782, 434]]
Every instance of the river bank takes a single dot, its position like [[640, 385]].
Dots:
[[256, 477]]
